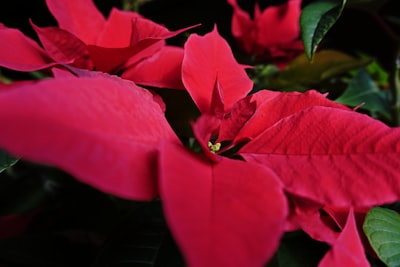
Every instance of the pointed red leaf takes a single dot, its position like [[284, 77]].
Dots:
[[79, 17], [226, 214], [118, 29], [146, 29], [332, 156], [272, 106], [103, 130], [236, 119], [64, 47], [348, 249], [30, 55], [163, 69], [208, 59]]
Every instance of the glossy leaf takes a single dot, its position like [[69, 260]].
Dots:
[[362, 90], [332, 156], [6, 160], [315, 21], [382, 228], [218, 214], [326, 64], [101, 129]]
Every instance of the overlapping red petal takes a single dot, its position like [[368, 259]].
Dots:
[[348, 249], [332, 156], [30, 55], [101, 129], [219, 215], [162, 69], [79, 17], [64, 47]]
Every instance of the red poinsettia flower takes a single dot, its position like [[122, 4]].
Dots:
[[326, 154], [85, 39], [272, 33], [228, 205]]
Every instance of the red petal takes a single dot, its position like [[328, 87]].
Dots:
[[243, 28], [208, 59], [64, 47], [306, 215], [103, 130], [272, 106], [30, 56], [118, 29], [348, 249], [79, 17], [146, 29], [332, 156], [163, 69], [279, 24], [219, 214]]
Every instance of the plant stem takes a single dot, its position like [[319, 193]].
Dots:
[[395, 85]]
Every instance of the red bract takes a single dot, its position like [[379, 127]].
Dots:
[[222, 81], [219, 214], [272, 34], [85, 39], [103, 130], [324, 153]]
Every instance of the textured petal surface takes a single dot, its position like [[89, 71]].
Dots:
[[103, 130], [163, 69], [208, 61], [219, 214], [64, 47], [348, 249], [271, 107], [30, 55], [79, 17], [332, 156]]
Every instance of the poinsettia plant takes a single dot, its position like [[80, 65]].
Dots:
[[132, 144]]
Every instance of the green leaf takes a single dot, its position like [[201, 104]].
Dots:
[[382, 228], [6, 160], [363, 90], [297, 249], [326, 64], [315, 21]]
